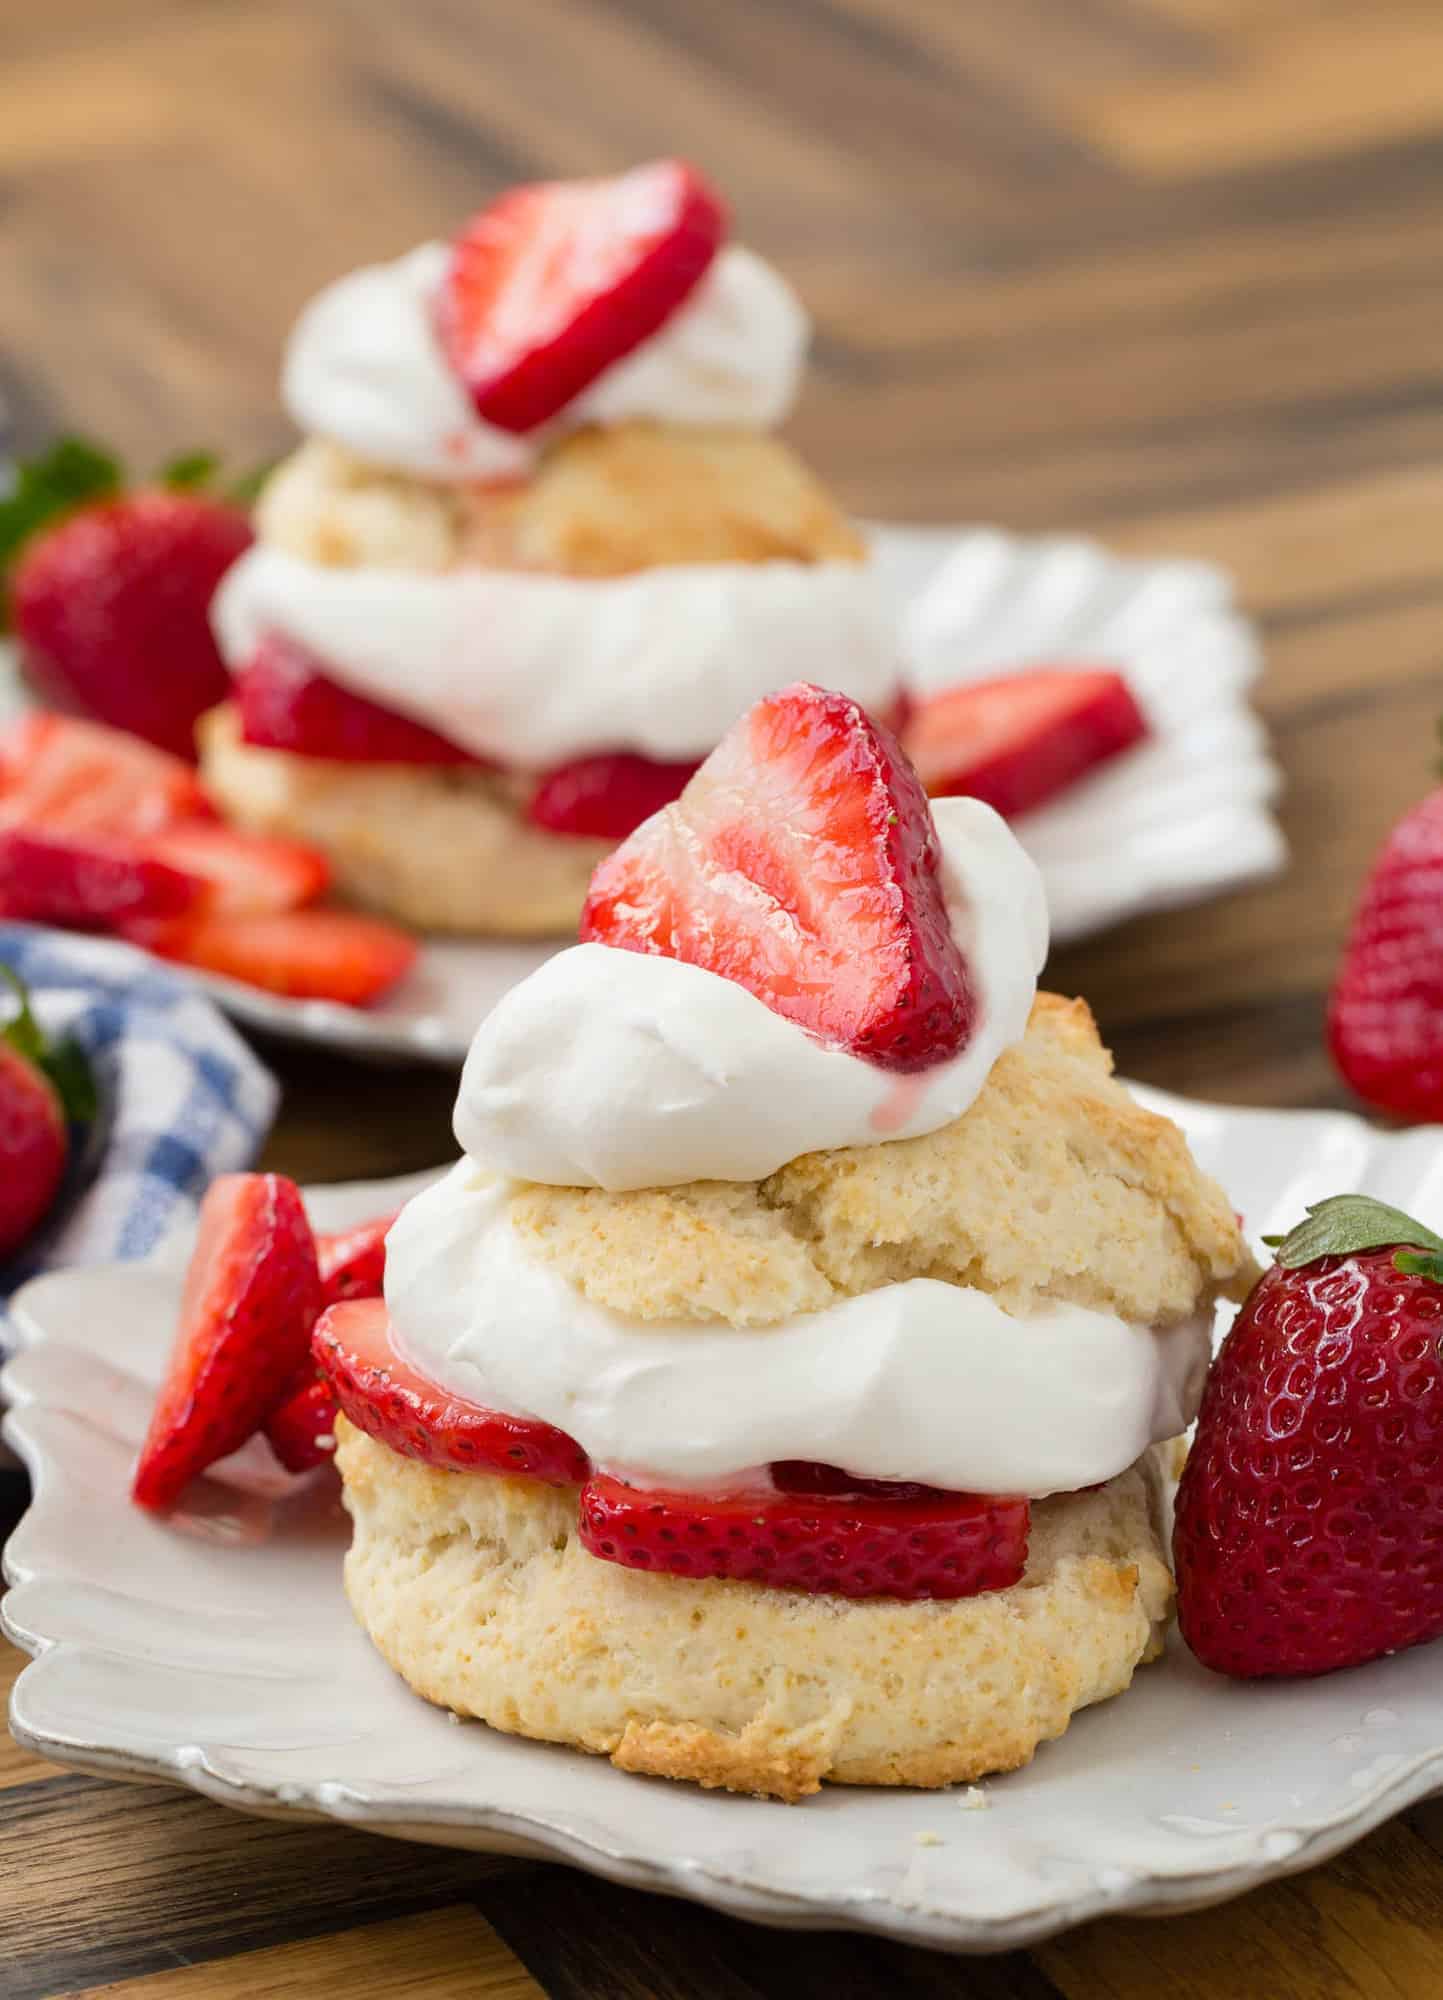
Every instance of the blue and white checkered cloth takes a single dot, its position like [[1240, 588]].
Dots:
[[181, 1098]]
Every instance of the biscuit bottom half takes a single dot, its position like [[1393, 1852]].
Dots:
[[438, 848], [476, 1589]]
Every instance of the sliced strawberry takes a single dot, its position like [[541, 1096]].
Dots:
[[353, 1262], [251, 1297], [301, 1430], [1019, 741], [851, 1538], [555, 282], [90, 882], [287, 702], [80, 777], [606, 797], [802, 863], [305, 954], [385, 1396], [246, 874]]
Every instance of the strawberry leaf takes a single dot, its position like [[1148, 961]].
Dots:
[[1346, 1223], [188, 472], [63, 1064], [71, 474], [1421, 1264]]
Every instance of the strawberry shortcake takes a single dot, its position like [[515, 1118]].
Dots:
[[538, 551], [779, 1389]]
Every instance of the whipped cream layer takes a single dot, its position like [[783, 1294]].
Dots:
[[920, 1380], [364, 367], [532, 669], [618, 1070]]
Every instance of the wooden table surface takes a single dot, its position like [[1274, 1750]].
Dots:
[[1163, 270]]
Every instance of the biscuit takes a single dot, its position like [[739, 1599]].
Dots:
[[476, 1589], [439, 848], [600, 503], [1055, 1185]]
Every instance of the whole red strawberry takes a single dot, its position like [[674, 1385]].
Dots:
[[1309, 1526], [1385, 1017], [109, 590], [44, 1088]]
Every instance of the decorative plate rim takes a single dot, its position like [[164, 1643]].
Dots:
[[1239, 1858]]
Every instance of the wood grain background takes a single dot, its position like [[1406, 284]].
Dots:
[[1167, 271]]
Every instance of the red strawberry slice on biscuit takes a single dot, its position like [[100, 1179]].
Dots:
[[288, 702], [608, 796], [802, 863], [251, 1297], [850, 1538], [383, 1395], [1018, 741], [555, 282]]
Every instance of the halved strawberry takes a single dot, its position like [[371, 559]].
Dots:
[[555, 282], [802, 863], [246, 874], [856, 1539], [385, 1396], [89, 882], [305, 954], [353, 1262], [251, 1297], [1018, 741], [608, 796], [301, 1430], [288, 702], [81, 777]]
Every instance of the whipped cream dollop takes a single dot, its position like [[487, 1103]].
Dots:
[[617, 1070], [365, 368], [917, 1380], [532, 669]]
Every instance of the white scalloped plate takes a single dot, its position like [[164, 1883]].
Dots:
[[225, 1659], [1182, 818]]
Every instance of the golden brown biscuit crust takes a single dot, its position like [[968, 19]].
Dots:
[[477, 1591], [600, 503], [1055, 1185]]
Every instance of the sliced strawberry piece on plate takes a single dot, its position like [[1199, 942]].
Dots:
[[301, 1430], [353, 1261], [382, 1394], [90, 882], [608, 796], [1018, 741], [801, 862], [850, 1539], [555, 282], [251, 1297], [288, 702], [304, 954], [81, 777], [246, 874]]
